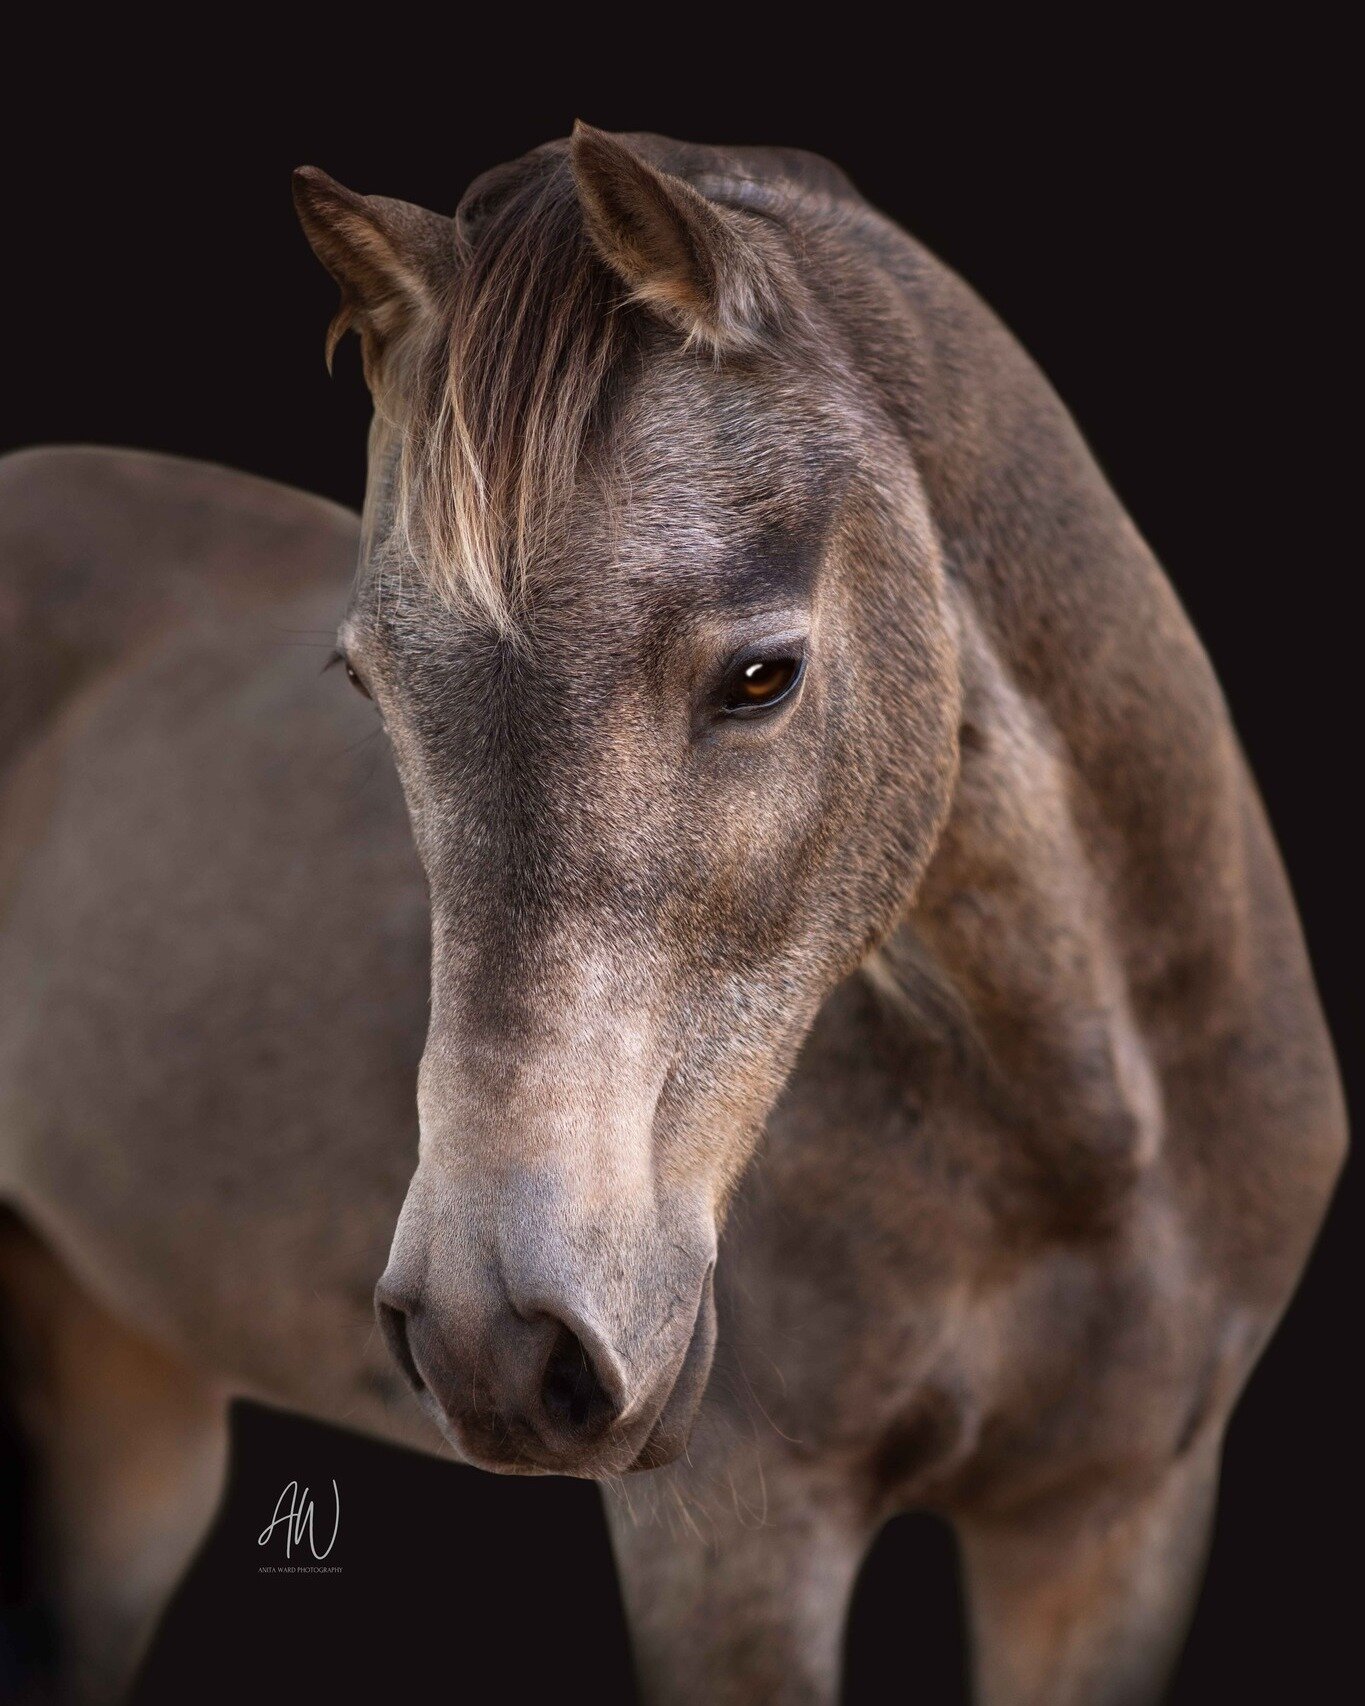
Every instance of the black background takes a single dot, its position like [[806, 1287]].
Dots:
[[1157, 220]]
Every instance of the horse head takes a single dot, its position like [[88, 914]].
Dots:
[[654, 615]]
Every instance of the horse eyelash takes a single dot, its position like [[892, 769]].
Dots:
[[333, 661]]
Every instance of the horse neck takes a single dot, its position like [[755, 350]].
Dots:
[[1092, 854], [1012, 931]]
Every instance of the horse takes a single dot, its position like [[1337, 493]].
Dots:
[[865, 1054]]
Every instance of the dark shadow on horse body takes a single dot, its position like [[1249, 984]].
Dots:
[[838, 769]]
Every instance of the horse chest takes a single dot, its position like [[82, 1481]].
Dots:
[[900, 1308]]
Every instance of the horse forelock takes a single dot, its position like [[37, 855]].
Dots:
[[511, 384]]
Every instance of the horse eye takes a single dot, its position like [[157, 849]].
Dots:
[[351, 676], [762, 683]]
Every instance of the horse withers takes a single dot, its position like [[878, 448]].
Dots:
[[871, 1059]]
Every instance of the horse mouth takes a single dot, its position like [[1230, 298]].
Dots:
[[657, 1437], [667, 1438]]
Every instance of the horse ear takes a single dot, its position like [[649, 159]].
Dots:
[[389, 259], [703, 267]]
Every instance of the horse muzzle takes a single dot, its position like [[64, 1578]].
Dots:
[[542, 1383]]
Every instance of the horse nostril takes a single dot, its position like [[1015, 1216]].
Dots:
[[393, 1324], [571, 1393]]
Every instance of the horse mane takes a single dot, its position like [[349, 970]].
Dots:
[[531, 330]]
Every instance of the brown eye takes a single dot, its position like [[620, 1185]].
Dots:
[[762, 683], [351, 676]]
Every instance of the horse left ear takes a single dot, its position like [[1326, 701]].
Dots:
[[389, 259], [702, 267]]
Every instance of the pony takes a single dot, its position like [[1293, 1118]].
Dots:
[[865, 1056]]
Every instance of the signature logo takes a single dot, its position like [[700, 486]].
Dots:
[[294, 1509]]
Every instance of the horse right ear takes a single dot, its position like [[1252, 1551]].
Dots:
[[389, 259]]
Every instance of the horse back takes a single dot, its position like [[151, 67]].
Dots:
[[102, 551]]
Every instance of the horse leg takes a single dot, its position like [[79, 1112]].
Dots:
[[736, 1600], [1088, 1605], [127, 1450]]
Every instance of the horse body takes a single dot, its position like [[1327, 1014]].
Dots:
[[1039, 1180]]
